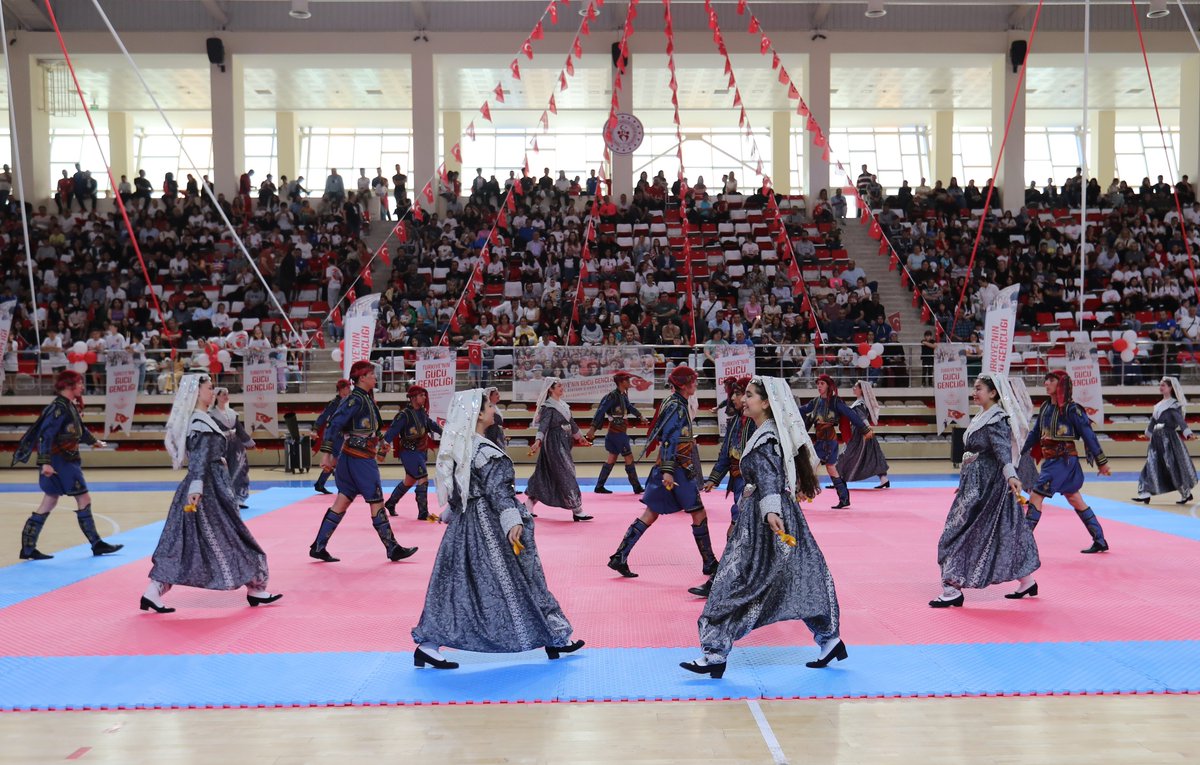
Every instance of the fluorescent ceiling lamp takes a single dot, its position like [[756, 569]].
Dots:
[[875, 9], [300, 10], [1158, 9]]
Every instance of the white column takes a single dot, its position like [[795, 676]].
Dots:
[[451, 132], [425, 124], [1189, 118], [120, 146], [32, 124], [1011, 178], [781, 152], [287, 144], [1102, 153], [941, 148], [816, 93], [622, 164], [228, 125]]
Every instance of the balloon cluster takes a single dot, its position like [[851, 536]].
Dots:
[[338, 352], [869, 355], [1126, 345], [80, 357]]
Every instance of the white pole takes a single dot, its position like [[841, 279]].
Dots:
[[1087, 49]]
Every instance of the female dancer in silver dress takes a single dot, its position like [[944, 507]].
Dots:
[[986, 540], [553, 481], [487, 591], [239, 442], [1168, 464], [863, 457], [204, 542], [772, 569]]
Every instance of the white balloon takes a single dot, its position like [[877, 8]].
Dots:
[[872, 354], [877, 349], [862, 362], [79, 366], [1127, 355], [79, 347], [1130, 336], [224, 358], [337, 355]]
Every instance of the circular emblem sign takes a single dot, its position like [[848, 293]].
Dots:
[[626, 135]]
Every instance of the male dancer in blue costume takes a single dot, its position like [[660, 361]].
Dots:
[[57, 434], [832, 420], [616, 408], [412, 425], [343, 390], [672, 484], [355, 447], [1058, 423], [738, 429]]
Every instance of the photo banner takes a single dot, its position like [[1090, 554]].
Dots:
[[261, 397], [1083, 364], [731, 361], [120, 398], [435, 369], [360, 331], [6, 317], [998, 332], [951, 392], [586, 372]]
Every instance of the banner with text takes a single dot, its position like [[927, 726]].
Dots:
[[998, 331], [951, 391], [586, 372], [1083, 364], [731, 361], [360, 331], [120, 398], [261, 395], [435, 369]]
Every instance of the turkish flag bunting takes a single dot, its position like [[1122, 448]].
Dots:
[[456, 152], [775, 65], [754, 27], [876, 230], [499, 91], [471, 130], [825, 153], [486, 111], [884, 247], [510, 202], [783, 77], [742, 119], [792, 92], [525, 166], [553, 106], [418, 214], [537, 32], [820, 140], [675, 103], [383, 253], [527, 49], [515, 67], [570, 66], [351, 297], [591, 12], [737, 97], [544, 121], [442, 174], [925, 313], [562, 81], [892, 262], [732, 83], [585, 28], [616, 86], [904, 283], [485, 255], [741, 7], [335, 317], [577, 48], [759, 169], [812, 125], [764, 45], [712, 19], [802, 109], [476, 279], [502, 219], [553, 11], [841, 168], [535, 148], [367, 278], [427, 192], [728, 66]]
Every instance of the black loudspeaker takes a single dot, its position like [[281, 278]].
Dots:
[[1016, 54], [216, 52]]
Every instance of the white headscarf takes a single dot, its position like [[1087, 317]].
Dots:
[[180, 420], [227, 417], [789, 427], [545, 399], [1165, 404], [457, 448], [1010, 405], [869, 401]]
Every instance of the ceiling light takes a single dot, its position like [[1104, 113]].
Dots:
[[875, 9], [300, 10], [1158, 9]]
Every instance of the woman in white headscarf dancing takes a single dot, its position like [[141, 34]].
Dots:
[[553, 481], [204, 542], [1168, 464], [238, 442], [487, 591], [772, 569], [863, 457], [986, 540]]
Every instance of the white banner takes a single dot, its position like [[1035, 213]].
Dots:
[[951, 392], [120, 398], [998, 331], [261, 396], [731, 361], [1083, 365], [360, 331], [586, 372], [435, 373], [6, 317]]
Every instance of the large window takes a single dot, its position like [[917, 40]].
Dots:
[[708, 153], [893, 154], [262, 154], [973, 158], [348, 149], [1052, 153], [158, 152], [71, 146], [497, 152], [1140, 154], [800, 143]]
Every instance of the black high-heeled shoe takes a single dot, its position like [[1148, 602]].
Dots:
[[1185, 501], [1144, 500], [838, 652], [554, 651], [149, 605], [884, 485], [420, 659], [1031, 591], [578, 518], [956, 603], [323, 555], [715, 671], [621, 567], [256, 601]]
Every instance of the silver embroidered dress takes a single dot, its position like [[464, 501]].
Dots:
[[553, 481], [1168, 464], [761, 580], [235, 452], [483, 597], [863, 457]]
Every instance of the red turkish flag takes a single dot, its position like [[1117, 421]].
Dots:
[[471, 130], [527, 49], [812, 125], [754, 27], [584, 28], [383, 253], [486, 111], [367, 278], [427, 192], [510, 203], [792, 92], [775, 65], [728, 66], [553, 105], [577, 47], [783, 76], [764, 45], [562, 81], [475, 352], [570, 66], [893, 262], [741, 7], [456, 152], [441, 171], [515, 68], [418, 214], [537, 31], [499, 91], [737, 97], [335, 316]]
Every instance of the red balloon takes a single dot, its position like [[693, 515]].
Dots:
[[877, 362], [1120, 344], [864, 349], [90, 357]]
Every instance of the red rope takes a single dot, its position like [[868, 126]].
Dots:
[[1187, 246], [162, 320], [1017, 188]]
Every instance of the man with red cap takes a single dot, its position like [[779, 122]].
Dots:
[[832, 420], [56, 436], [412, 425], [1051, 439], [616, 409], [353, 450], [673, 482], [343, 390]]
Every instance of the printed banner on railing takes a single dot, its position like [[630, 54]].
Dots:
[[733, 361], [6, 317], [998, 331], [950, 390], [259, 384], [1083, 364], [360, 331], [120, 398], [586, 372], [435, 373]]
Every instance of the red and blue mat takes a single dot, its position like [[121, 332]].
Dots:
[[71, 636]]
